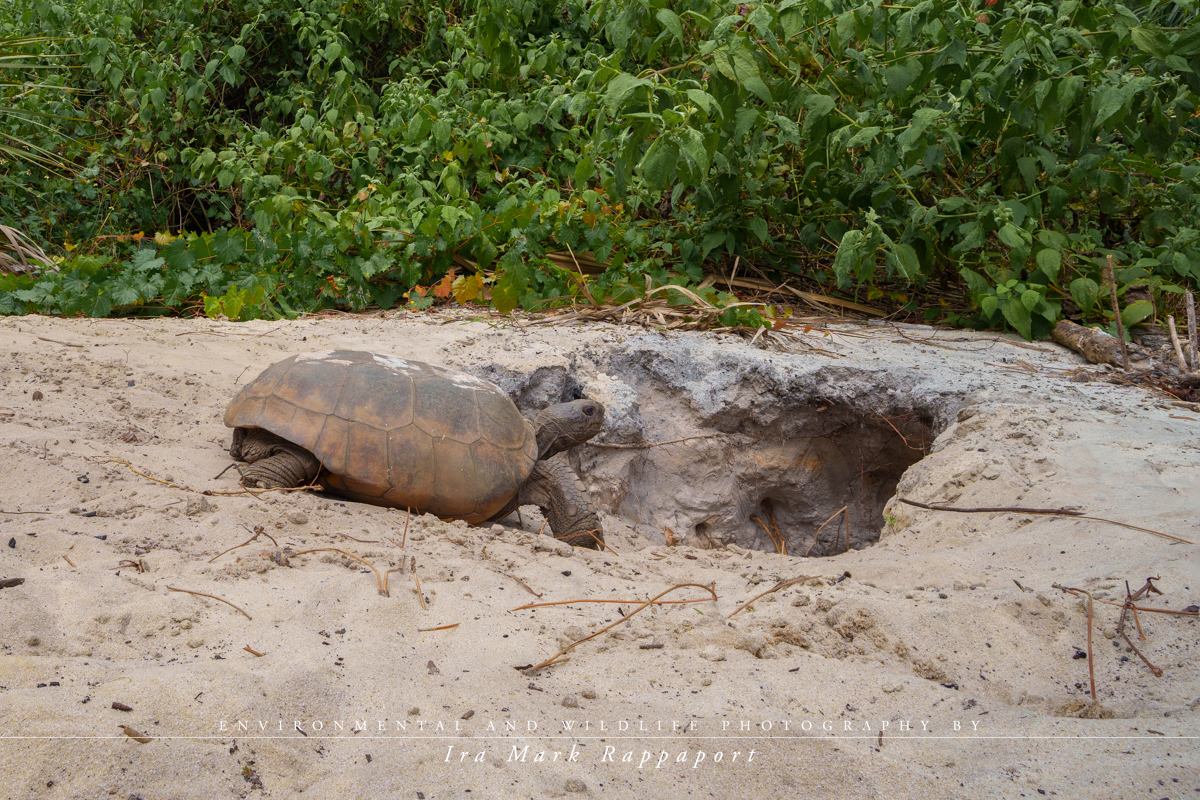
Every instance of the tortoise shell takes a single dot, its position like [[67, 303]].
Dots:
[[395, 432]]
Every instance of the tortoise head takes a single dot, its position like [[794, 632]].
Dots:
[[561, 427]]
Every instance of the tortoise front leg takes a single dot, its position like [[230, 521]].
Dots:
[[272, 461], [555, 488]]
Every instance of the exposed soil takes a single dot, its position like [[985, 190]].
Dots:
[[947, 628]]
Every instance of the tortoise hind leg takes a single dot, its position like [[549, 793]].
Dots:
[[557, 491], [272, 461]]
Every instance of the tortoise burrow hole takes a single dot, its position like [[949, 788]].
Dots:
[[772, 487]]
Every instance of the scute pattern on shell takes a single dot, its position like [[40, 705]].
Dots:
[[396, 432]]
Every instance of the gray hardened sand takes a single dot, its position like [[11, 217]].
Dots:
[[947, 637]]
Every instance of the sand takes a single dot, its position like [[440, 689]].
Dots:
[[945, 665]]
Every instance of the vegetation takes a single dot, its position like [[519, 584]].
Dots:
[[970, 163]]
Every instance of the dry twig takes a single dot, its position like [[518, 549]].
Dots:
[[1090, 657], [1049, 512], [211, 597], [56, 341], [1193, 339], [380, 577], [843, 509], [644, 605], [1127, 607], [420, 593], [207, 492], [617, 602], [258, 531], [645, 445], [1179, 359], [1116, 309], [775, 588], [523, 583]]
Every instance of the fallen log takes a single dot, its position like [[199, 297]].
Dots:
[[1093, 344]]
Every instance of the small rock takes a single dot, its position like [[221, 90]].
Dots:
[[588, 694], [414, 711], [570, 701], [194, 643], [33, 641], [712, 653], [575, 785], [297, 517]]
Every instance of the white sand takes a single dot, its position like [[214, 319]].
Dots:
[[935, 603]]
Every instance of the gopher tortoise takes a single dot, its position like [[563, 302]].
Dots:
[[394, 432]]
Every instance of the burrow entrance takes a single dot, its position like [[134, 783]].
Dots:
[[778, 457], [815, 483]]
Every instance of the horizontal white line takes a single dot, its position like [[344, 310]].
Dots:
[[889, 736]]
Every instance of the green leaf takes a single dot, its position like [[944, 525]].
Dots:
[[1049, 261], [507, 290], [712, 241], [1017, 315], [1084, 292], [1136, 312], [1068, 90], [1187, 43], [227, 247], [1150, 39], [702, 99], [988, 304], [902, 259], [746, 118], [1030, 298], [847, 258], [670, 21], [659, 162], [735, 62], [236, 53], [1029, 171], [1011, 235], [921, 120], [619, 89], [817, 107], [758, 226], [900, 76], [863, 137], [693, 148], [585, 172], [441, 132], [976, 283]]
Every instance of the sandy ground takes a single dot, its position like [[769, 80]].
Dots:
[[947, 665]]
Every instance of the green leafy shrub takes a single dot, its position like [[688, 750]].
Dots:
[[973, 162]]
